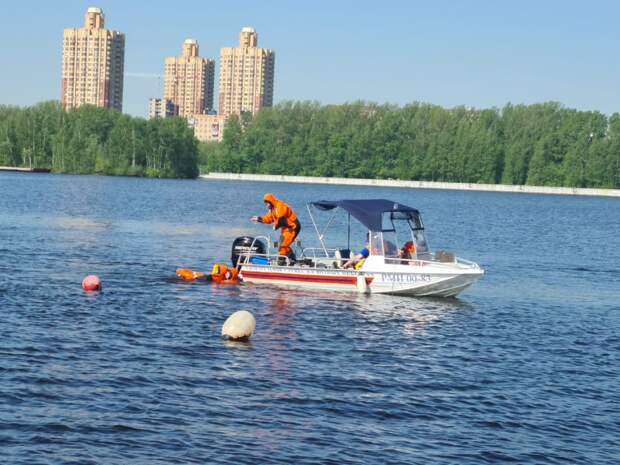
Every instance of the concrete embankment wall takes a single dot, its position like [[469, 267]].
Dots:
[[415, 184], [16, 168]]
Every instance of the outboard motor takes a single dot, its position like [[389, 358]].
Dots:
[[243, 245]]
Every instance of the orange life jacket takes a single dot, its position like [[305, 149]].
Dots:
[[189, 275], [223, 274]]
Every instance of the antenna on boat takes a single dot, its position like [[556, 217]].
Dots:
[[349, 232]]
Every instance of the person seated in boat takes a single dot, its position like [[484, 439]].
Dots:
[[407, 252], [282, 217], [358, 260]]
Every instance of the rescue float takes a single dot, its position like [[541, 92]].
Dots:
[[385, 270]]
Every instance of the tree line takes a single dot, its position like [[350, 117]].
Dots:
[[96, 140], [541, 144]]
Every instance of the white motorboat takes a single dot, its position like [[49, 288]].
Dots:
[[384, 271]]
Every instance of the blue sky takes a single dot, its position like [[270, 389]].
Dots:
[[475, 53]]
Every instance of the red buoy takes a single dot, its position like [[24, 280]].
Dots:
[[91, 283]]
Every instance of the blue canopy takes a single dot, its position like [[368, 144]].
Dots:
[[370, 212]]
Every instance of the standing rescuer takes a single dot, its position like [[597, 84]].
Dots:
[[282, 217]]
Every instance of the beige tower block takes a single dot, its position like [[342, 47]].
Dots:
[[246, 75], [189, 81], [93, 61]]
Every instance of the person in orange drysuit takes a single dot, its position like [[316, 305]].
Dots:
[[220, 273], [281, 216]]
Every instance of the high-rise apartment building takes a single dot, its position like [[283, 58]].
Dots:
[[246, 75], [92, 64], [188, 81]]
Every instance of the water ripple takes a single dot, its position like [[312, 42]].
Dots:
[[522, 369]]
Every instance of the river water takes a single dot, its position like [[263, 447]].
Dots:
[[523, 367]]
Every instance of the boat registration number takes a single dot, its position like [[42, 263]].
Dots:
[[405, 278]]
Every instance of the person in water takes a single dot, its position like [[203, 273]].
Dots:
[[220, 273], [282, 217]]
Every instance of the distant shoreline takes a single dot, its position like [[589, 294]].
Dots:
[[414, 184]]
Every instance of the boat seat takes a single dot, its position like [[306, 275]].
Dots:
[[341, 256], [305, 262]]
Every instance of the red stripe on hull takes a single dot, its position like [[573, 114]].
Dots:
[[348, 280]]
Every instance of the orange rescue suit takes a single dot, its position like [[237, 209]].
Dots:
[[282, 216], [220, 273]]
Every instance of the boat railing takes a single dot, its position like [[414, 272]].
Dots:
[[312, 257], [467, 263], [315, 257], [245, 258], [273, 259], [430, 258], [311, 252]]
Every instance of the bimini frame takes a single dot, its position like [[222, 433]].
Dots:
[[321, 235]]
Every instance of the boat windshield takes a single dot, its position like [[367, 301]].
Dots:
[[398, 229]]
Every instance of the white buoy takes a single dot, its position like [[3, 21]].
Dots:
[[362, 285], [239, 326]]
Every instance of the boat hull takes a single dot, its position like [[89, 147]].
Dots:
[[411, 282]]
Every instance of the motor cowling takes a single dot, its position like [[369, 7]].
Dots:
[[244, 245]]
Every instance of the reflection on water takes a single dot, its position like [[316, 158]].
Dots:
[[237, 345], [78, 222]]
